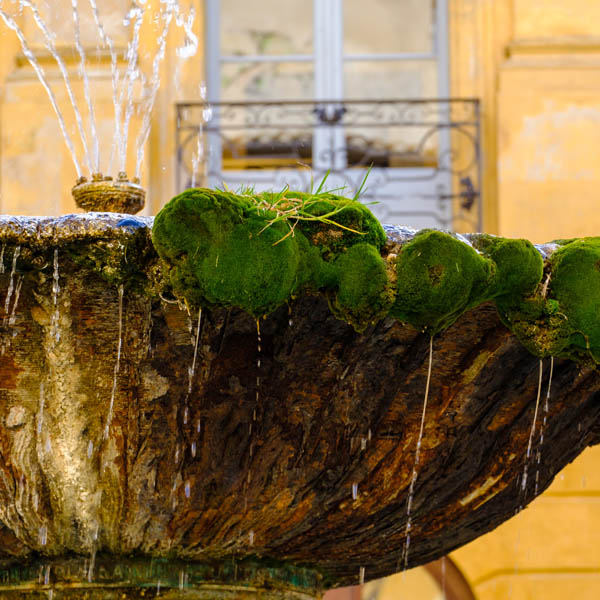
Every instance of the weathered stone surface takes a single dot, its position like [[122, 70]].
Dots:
[[259, 457]]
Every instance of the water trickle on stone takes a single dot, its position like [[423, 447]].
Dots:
[[12, 318], [258, 379], [54, 323], [415, 470], [354, 491], [251, 538], [191, 372], [11, 283], [8, 314], [43, 535], [117, 366], [532, 432], [2, 258], [543, 426], [40, 415]]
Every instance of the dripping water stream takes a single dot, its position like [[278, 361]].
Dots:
[[54, 328], [543, 426], [117, 366], [531, 433], [415, 470], [9, 315], [186, 408]]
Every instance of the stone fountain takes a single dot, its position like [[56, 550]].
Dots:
[[160, 436], [266, 396]]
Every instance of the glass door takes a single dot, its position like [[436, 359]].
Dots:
[[299, 90]]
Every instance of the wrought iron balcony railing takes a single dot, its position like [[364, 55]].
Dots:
[[424, 156]]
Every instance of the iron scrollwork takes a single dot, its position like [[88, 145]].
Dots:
[[424, 156]]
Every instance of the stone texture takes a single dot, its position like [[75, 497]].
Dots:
[[254, 460]]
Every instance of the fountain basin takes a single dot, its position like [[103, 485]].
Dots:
[[299, 453], [107, 194]]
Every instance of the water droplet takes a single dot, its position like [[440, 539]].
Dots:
[[187, 489], [354, 491], [361, 576], [43, 535], [251, 537], [193, 448], [90, 449]]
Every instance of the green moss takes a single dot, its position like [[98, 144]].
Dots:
[[517, 269], [220, 249], [220, 253], [364, 293], [256, 251], [351, 222], [575, 286], [439, 277]]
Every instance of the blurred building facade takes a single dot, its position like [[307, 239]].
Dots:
[[531, 66]]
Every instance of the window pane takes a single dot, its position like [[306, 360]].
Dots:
[[381, 80], [400, 134], [271, 27], [388, 26], [247, 82]]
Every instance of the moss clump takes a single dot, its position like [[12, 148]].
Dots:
[[219, 252], [364, 292], [560, 318], [518, 266], [538, 325], [256, 251], [222, 249], [575, 286], [439, 277]]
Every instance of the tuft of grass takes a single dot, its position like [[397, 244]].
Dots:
[[291, 208]]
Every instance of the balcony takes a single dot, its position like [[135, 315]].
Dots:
[[419, 160]]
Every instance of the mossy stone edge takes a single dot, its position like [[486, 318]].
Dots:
[[219, 249]]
